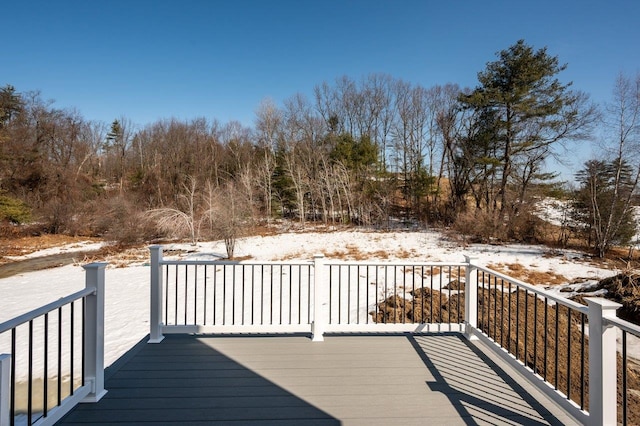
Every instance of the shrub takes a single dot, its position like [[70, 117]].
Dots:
[[14, 210]]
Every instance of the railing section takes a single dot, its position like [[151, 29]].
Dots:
[[306, 296], [55, 356], [568, 349], [393, 296]]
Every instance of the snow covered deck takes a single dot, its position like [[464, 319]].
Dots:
[[290, 380]]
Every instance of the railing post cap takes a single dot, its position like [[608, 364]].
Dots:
[[318, 255], [606, 304], [470, 258], [155, 247], [95, 265]]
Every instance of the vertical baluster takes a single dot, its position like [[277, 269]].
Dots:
[[582, 345], [535, 334], [12, 403], [526, 328], [568, 353], [30, 376], [45, 384], [204, 306], [71, 347], [557, 356], [195, 295], [517, 321], [502, 313], [624, 378]]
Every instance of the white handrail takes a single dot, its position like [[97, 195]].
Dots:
[[561, 300], [624, 325], [24, 318]]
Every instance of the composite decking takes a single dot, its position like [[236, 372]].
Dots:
[[434, 379]]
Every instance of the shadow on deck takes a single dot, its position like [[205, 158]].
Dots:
[[289, 380]]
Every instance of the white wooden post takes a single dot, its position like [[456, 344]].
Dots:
[[471, 297], [602, 362], [5, 389], [317, 328], [155, 322], [94, 330]]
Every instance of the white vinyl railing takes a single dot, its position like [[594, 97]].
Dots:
[[61, 348]]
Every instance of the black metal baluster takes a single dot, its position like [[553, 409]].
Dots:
[[82, 340], [195, 295], [413, 293], [546, 337], [509, 325], [349, 294], [501, 312], [261, 294], [166, 294], [45, 384], [384, 317], [582, 345], [30, 376], [271, 304], [535, 334], [481, 296], [440, 301], [72, 347], [59, 355], [233, 295], [175, 314], [495, 309], [568, 353], [449, 295], [431, 297], [526, 326], [377, 299], [215, 290], [557, 344], [395, 293], [404, 294], [224, 294], [517, 321], [299, 294], [458, 294], [624, 377], [424, 295], [12, 403], [309, 294], [186, 301], [358, 295], [242, 296], [204, 307]]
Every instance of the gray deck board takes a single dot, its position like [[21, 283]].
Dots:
[[289, 380]]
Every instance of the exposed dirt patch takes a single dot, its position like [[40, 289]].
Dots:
[[26, 245], [529, 275]]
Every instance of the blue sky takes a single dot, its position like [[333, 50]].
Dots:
[[147, 60]]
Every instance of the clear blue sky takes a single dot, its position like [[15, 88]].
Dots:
[[147, 60]]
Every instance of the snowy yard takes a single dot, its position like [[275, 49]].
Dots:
[[127, 288]]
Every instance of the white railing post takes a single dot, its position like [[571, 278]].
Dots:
[[5, 389], [471, 297], [602, 362], [317, 328], [155, 322], [94, 330]]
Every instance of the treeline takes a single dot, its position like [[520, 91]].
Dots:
[[366, 152]]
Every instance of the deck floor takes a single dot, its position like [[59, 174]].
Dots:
[[439, 379]]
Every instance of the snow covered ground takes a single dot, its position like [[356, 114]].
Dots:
[[127, 288]]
